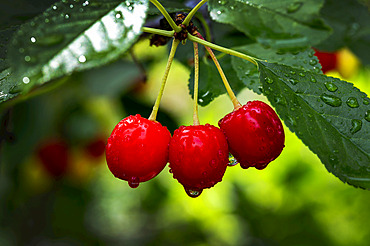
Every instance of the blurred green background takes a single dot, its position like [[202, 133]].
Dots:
[[294, 201]]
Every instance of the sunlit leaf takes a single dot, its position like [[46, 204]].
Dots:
[[74, 36]]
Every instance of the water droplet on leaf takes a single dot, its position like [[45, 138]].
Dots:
[[352, 102], [331, 100], [356, 126], [367, 115], [331, 86]]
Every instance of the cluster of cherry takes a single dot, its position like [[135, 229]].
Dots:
[[198, 155]]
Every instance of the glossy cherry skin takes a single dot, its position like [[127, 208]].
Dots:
[[55, 157], [328, 60], [198, 157], [254, 133], [137, 149]]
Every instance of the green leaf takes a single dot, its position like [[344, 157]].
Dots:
[[331, 116], [73, 36], [210, 83], [350, 22], [8, 89], [287, 24], [248, 72]]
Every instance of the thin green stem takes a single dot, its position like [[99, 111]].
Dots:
[[158, 31], [153, 115], [196, 82], [223, 49], [232, 96], [166, 15], [192, 12]]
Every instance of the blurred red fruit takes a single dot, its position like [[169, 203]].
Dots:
[[328, 60]]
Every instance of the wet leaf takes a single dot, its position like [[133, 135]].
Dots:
[[334, 124]]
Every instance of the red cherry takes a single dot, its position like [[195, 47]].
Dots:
[[254, 133], [95, 148], [137, 149], [54, 157], [198, 157], [327, 60]]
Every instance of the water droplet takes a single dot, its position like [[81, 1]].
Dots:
[[134, 182], [292, 121], [71, 6], [280, 100], [85, 3], [193, 193], [313, 80], [356, 126], [269, 80], [33, 39], [82, 59], [66, 16], [293, 81], [292, 72], [294, 7], [302, 74], [367, 115], [331, 100], [232, 160], [312, 62], [218, 12], [119, 15], [366, 102], [331, 86], [54, 7], [26, 80], [212, 163], [352, 102], [27, 58]]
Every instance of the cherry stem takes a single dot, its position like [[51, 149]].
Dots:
[[158, 31], [192, 12], [196, 82], [153, 115], [166, 15], [232, 96], [223, 49]]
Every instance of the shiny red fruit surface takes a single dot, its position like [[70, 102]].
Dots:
[[137, 149], [55, 157], [198, 157], [327, 60], [254, 133]]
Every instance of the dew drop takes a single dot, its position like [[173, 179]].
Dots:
[[27, 58], [71, 6], [119, 15], [26, 80], [280, 100], [367, 115], [85, 3], [33, 39], [54, 7], [193, 193], [331, 100], [293, 81], [66, 16], [212, 163], [313, 80], [292, 121], [269, 80], [312, 62], [218, 12], [331, 86], [356, 126], [232, 161], [134, 182], [365, 102], [302, 74], [352, 102], [292, 72], [294, 7], [82, 59]]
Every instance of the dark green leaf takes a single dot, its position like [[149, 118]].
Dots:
[[285, 24], [350, 22], [210, 83], [8, 89], [74, 36], [248, 73], [331, 116]]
